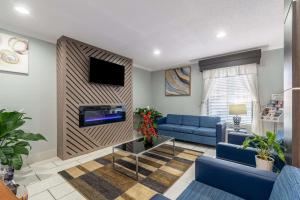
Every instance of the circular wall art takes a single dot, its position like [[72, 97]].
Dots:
[[9, 57], [19, 45]]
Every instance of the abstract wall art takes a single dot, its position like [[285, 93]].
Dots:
[[178, 81], [13, 54]]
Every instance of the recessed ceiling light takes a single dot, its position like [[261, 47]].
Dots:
[[22, 10], [221, 34], [156, 52]]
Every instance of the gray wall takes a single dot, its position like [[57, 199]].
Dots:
[[141, 88], [270, 80], [270, 74], [180, 104], [35, 94]]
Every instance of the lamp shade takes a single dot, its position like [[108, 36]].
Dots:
[[237, 109]]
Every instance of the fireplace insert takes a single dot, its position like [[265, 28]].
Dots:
[[101, 114]]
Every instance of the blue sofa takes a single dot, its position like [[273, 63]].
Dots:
[[223, 180], [199, 129]]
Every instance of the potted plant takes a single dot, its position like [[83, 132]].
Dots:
[[267, 147], [146, 122], [14, 142]]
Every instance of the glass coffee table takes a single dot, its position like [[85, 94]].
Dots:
[[137, 147]]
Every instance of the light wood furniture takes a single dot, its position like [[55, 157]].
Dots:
[[5, 193]]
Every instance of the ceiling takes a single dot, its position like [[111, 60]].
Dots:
[[181, 30]]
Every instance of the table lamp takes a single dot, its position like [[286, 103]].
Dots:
[[237, 110]]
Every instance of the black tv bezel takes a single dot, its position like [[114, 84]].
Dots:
[[109, 84]]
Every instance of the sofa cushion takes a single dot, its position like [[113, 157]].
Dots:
[[167, 127], [201, 191], [211, 132], [174, 119], [287, 184], [209, 122], [190, 120], [185, 129]]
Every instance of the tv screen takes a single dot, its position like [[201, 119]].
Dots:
[[105, 72]]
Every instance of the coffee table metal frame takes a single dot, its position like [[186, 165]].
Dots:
[[139, 154]]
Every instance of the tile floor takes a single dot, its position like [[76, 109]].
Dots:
[[43, 182]]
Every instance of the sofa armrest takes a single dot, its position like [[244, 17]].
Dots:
[[159, 197], [236, 153], [238, 138], [220, 132], [161, 120], [243, 181]]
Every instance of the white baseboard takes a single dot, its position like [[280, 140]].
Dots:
[[39, 156]]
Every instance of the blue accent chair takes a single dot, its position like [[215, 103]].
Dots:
[[199, 129], [218, 179]]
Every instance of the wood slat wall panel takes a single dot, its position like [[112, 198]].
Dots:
[[74, 90]]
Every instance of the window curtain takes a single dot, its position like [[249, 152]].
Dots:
[[249, 72]]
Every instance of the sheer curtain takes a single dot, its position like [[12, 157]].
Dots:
[[249, 74]]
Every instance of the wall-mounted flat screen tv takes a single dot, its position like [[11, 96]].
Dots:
[[105, 72]]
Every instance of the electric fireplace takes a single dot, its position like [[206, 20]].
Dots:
[[101, 114]]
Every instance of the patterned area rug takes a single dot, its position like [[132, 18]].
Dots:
[[158, 171]]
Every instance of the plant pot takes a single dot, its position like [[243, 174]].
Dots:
[[9, 176], [264, 164]]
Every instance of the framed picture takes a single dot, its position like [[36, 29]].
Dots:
[[13, 54], [178, 81]]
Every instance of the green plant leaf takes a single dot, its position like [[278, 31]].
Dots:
[[17, 162], [21, 150], [10, 121], [2, 155], [7, 150]]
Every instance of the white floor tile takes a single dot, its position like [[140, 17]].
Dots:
[[73, 196], [61, 190], [26, 179], [189, 175], [44, 184], [42, 196], [176, 190], [45, 174]]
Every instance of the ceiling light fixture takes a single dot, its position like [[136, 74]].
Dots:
[[156, 52], [221, 34], [22, 10]]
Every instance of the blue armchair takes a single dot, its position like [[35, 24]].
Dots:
[[233, 151], [217, 179]]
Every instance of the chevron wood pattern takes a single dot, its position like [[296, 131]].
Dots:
[[74, 89]]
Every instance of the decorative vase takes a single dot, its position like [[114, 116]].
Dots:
[[148, 141], [264, 164], [9, 176]]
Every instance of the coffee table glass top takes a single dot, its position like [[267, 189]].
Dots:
[[138, 146]]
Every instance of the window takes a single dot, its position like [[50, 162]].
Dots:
[[229, 90]]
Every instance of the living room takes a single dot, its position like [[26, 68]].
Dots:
[[149, 100]]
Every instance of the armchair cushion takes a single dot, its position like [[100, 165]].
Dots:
[[201, 191], [287, 184], [240, 180], [211, 132], [190, 120], [174, 119], [209, 122]]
